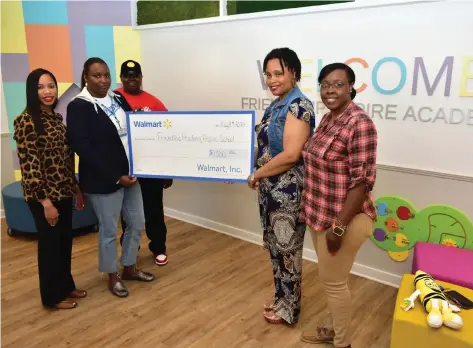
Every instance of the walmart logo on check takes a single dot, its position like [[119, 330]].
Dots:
[[156, 124]]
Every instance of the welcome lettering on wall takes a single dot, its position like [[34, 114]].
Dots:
[[420, 79]]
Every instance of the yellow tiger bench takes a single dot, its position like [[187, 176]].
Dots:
[[410, 329]]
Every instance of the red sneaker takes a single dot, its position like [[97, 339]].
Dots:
[[161, 259]]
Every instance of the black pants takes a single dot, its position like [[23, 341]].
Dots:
[[152, 192], [54, 252]]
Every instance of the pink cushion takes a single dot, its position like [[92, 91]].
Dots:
[[449, 264]]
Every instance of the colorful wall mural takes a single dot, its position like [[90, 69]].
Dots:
[[399, 226], [60, 36]]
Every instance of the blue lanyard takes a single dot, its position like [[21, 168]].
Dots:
[[111, 112]]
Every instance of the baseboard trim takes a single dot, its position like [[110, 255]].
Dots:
[[2, 214], [423, 172], [360, 270]]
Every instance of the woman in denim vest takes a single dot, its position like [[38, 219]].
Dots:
[[287, 124]]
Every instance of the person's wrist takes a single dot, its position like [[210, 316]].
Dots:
[[46, 203], [257, 175], [338, 228], [341, 223]]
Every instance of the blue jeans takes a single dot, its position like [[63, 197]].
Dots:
[[108, 207]]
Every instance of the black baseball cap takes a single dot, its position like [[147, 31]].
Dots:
[[130, 67]]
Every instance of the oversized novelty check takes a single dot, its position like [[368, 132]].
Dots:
[[196, 145]]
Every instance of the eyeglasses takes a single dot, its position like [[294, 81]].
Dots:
[[336, 85]]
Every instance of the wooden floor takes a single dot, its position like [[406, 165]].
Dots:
[[209, 295]]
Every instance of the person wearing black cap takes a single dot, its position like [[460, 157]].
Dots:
[[152, 189]]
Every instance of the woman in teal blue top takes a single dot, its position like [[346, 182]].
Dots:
[[286, 126]]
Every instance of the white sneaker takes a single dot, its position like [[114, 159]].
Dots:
[[161, 259]]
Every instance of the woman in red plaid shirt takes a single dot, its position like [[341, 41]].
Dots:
[[340, 172], [286, 125]]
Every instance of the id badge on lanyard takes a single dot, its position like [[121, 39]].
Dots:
[[122, 132]]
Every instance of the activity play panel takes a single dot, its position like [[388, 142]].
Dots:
[[399, 226]]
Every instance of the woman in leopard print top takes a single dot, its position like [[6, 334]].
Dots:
[[49, 184]]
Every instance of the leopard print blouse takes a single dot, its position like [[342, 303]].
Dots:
[[46, 161]]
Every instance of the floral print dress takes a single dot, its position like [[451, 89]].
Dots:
[[283, 230]]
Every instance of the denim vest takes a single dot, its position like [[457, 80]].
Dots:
[[278, 120]]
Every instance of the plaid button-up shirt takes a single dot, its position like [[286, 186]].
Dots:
[[337, 158]]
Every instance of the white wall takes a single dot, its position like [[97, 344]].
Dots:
[[213, 66], [414, 78]]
